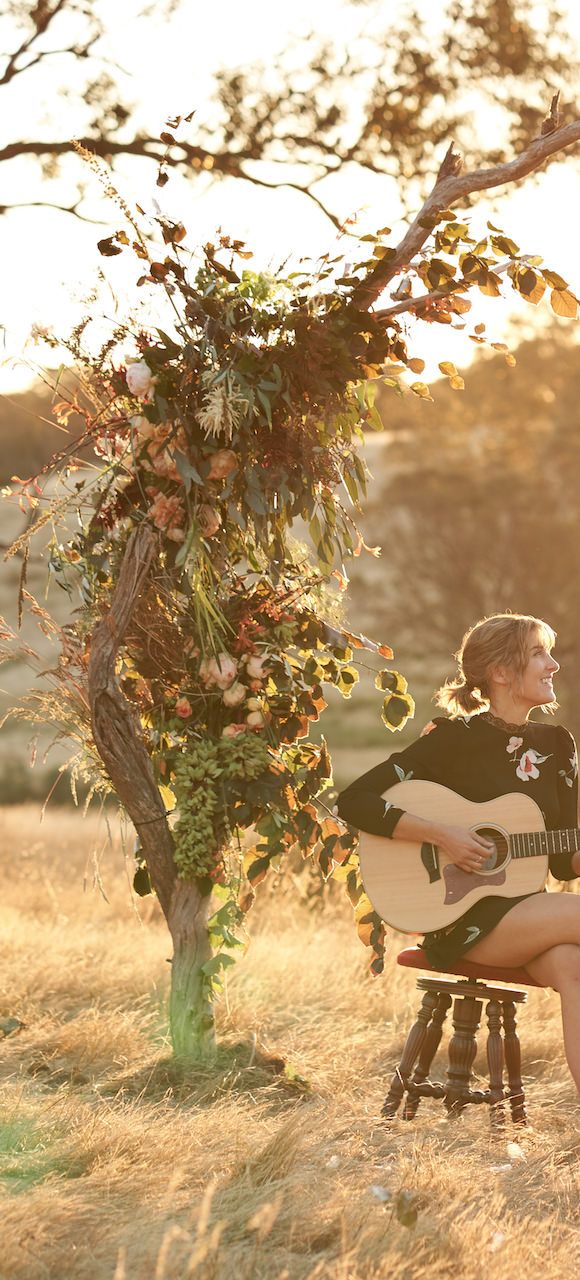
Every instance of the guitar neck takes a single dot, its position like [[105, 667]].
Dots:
[[528, 844]]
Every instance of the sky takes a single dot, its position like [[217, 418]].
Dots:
[[50, 260]]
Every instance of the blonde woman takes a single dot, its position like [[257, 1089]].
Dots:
[[486, 746]]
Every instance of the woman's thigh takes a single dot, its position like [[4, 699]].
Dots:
[[531, 927]]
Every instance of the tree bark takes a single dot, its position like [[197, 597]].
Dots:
[[190, 1007], [121, 747]]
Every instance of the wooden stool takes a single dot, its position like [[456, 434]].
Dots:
[[467, 996]]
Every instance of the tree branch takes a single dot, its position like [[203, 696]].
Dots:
[[450, 187], [114, 724]]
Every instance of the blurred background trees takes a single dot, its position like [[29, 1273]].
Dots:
[[383, 91]]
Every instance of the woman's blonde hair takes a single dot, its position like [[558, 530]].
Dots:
[[502, 640]]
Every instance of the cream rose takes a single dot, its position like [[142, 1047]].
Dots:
[[233, 696], [257, 667], [140, 380], [221, 671], [255, 720]]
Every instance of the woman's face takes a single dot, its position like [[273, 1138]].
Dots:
[[535, 683]]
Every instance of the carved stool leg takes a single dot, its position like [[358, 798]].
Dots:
[[430, 1046], [413, 1047], [462, 1051], [513, 1059], [495, 1064]]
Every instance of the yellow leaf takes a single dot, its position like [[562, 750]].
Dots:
[[448, 368], [363, 906], [564, 303], [416, 365], [365, 933], [457, 383], [168, 797], [421, 389], [511, 360]]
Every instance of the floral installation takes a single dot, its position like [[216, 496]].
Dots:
[[240, 628]]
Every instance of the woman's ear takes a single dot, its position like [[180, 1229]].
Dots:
[[500, 675]]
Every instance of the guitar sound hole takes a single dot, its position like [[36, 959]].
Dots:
[[498, 857]]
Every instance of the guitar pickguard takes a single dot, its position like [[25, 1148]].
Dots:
[[459, 883]]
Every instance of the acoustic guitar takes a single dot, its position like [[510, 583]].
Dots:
[[416, 888]]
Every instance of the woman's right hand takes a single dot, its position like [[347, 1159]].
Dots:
[[465, 848]]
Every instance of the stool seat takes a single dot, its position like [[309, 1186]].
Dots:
[[415, 958]]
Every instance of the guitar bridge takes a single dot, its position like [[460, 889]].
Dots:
[[430, 860]]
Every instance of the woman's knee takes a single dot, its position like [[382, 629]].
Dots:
[[558, 967]]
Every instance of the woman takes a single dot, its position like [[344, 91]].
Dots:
[[488, 747]]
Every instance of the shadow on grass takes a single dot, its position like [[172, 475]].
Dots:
[[240, 1067]]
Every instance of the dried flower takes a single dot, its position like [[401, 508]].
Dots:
[[183, 708], [221, 413]]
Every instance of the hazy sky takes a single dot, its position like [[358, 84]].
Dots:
[[50, 260]]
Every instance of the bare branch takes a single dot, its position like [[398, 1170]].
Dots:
[[450, 187], [43, 20], [51, 204]]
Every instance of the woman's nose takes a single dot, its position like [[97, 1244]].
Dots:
[[553, 665]]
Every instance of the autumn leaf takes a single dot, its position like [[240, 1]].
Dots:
[[564, 303]]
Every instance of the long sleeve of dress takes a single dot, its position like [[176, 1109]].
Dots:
[[561, 863], [361, 804]]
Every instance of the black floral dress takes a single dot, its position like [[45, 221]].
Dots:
[[480, 758]]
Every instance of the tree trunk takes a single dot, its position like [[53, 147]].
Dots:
[[191, 1006], [121, 747]]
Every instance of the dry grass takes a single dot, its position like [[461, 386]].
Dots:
[[112, 1168]]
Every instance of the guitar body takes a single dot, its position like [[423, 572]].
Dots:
[[416, 888]]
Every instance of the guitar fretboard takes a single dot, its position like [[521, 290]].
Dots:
[[527, 844]]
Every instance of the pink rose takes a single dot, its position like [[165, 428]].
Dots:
[[167, 514], [222, 464], [183, 708], [232, 730]]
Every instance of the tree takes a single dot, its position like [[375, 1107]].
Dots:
[[195, 667], [384, 98]]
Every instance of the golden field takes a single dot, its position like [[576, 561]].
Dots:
[[274, 1162]]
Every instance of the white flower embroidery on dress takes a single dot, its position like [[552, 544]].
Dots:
[[528, 764], [514, 744]]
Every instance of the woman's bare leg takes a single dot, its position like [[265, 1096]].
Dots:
[[531, 927], [543, 933], [560, 968]]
